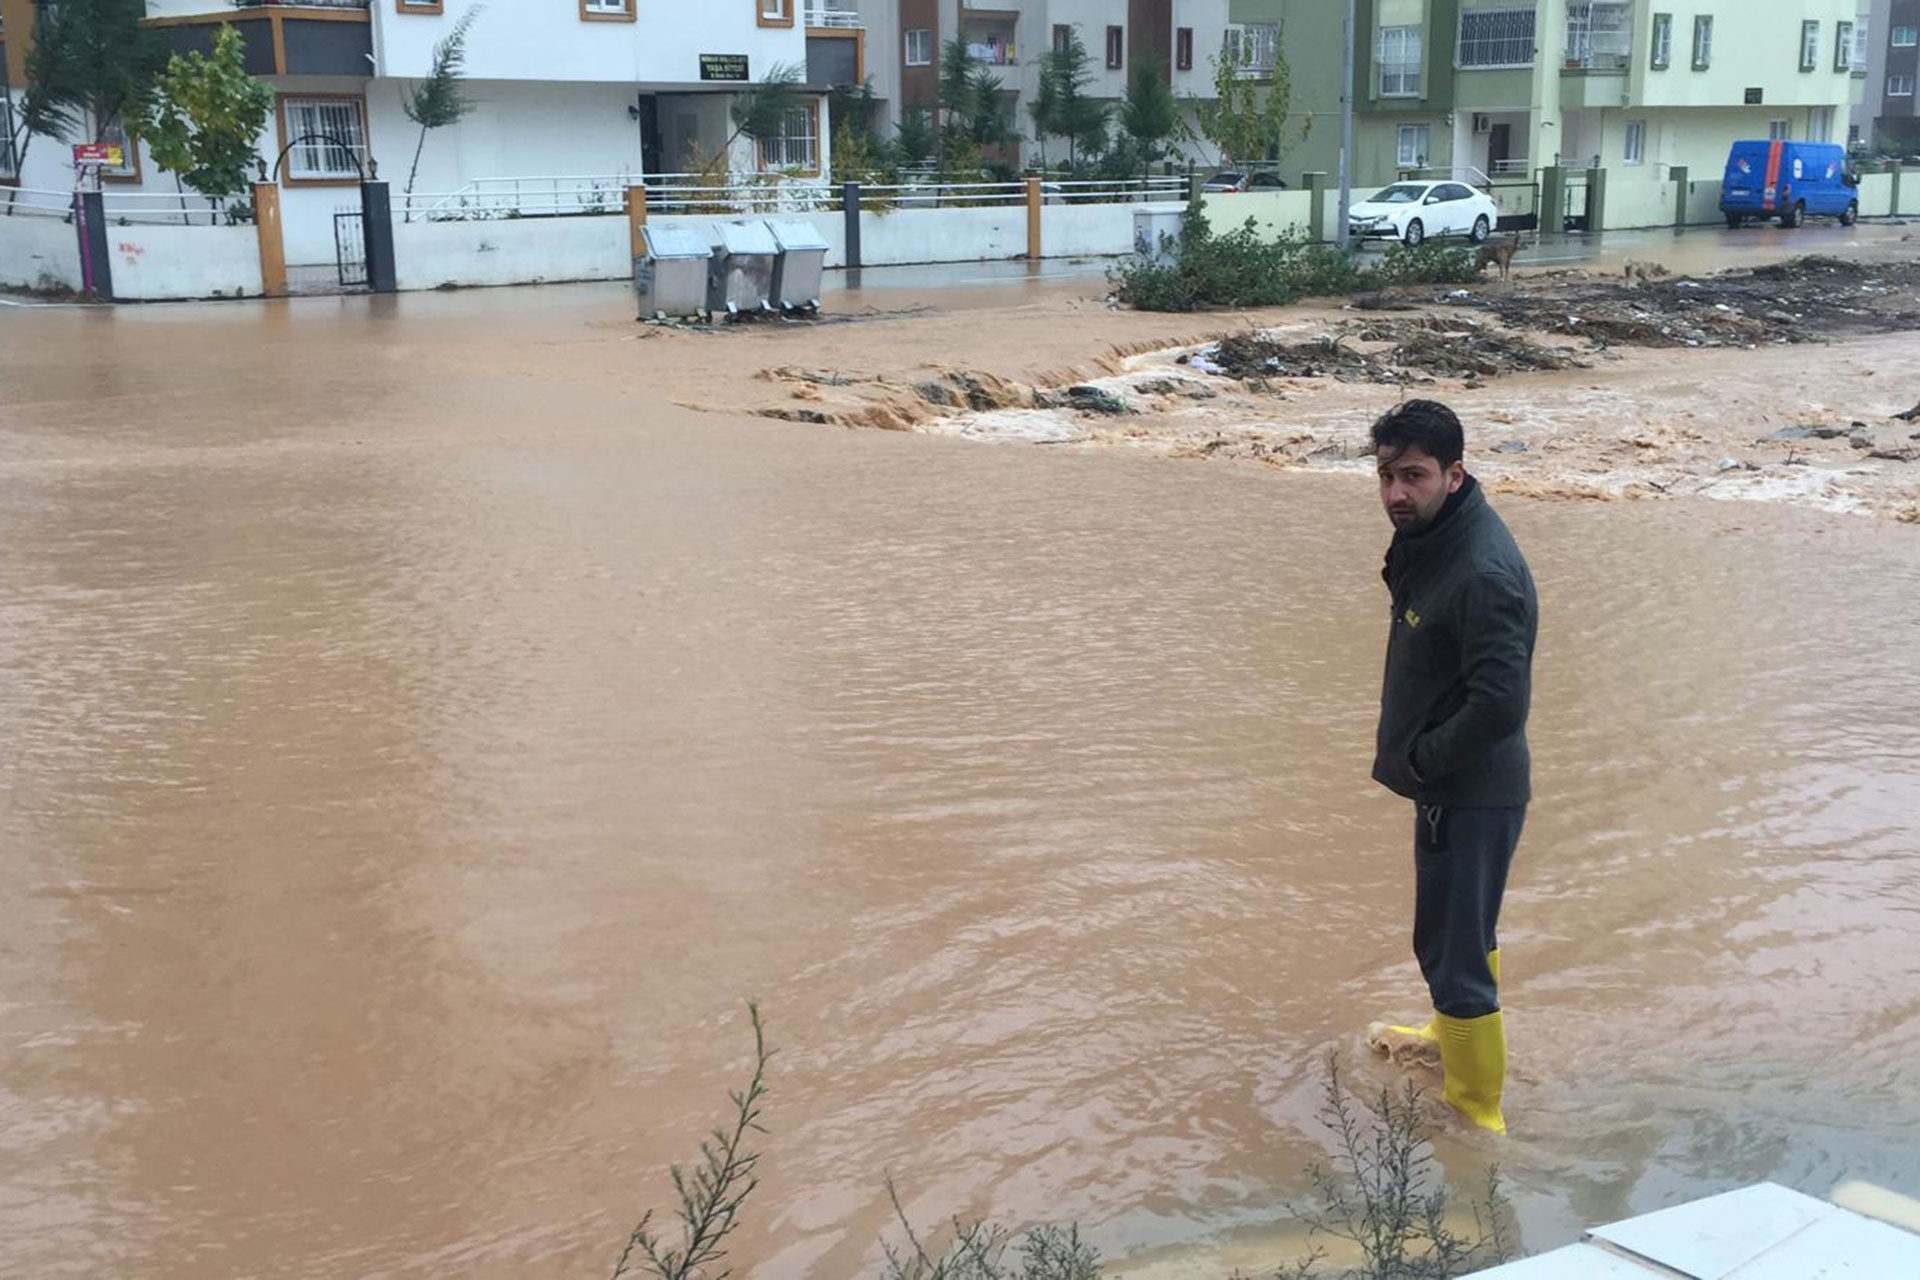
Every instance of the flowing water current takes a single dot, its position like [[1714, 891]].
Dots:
[[412, 759]]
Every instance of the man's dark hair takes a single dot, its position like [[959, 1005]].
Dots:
[[1426, 425]]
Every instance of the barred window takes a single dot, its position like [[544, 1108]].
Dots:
[[1496, 38], [1400, 62], [797, 145], [328, 138]]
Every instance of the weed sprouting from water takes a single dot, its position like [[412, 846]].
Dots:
[[1380, 1193], [710, 1198]]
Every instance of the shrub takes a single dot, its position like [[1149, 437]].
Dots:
[[1429, 263], [1242, 269]]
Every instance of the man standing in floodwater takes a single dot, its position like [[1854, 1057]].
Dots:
[[1452, 737]]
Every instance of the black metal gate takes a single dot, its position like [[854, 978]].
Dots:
[[350, 247]]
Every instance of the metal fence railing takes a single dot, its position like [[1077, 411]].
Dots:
[[128, 207], [692, 193]]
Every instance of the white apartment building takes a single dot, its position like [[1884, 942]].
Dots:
[[602, 89]]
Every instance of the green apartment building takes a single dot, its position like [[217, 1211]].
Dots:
[[1493, 89]]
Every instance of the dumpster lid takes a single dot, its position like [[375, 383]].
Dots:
[[745, 237], [791, 233], [675, 242]]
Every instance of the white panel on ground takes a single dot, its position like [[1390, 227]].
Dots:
[[1842, 1247], [1710, 1238], [1575, 1262]]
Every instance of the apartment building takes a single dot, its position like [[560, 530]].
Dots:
[[1887, 115], [1178, 38], [1504, 87], [610, 89]]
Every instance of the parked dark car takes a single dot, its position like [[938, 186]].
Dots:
[[1236, 181]]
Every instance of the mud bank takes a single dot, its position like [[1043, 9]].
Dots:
[[1784, 383]]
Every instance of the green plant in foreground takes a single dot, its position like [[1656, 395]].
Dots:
[[1381, 1193], [711, 1197]]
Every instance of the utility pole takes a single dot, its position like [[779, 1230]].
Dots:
[[1346, 133], [1346, 127]]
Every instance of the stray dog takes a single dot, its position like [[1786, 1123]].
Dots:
[[1498, 252], [1639, 273]]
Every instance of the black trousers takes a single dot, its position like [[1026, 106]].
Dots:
[[1460, 861]]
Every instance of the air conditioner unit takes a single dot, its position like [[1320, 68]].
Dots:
[[1482, 123]]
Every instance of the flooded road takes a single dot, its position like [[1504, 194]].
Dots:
[[421, 737]]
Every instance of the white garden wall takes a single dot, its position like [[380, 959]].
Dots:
[[38, 252], [1638, 202], [156, 262], [1876, 195], [428, 255]]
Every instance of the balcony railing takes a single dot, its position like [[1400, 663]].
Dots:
[[1255, 46], [832, 14]]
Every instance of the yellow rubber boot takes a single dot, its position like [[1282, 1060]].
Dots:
[[1473, 1058], [1428, 1032]]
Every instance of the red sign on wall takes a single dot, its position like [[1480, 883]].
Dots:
[[102, 153]]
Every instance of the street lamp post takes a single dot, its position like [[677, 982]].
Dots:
[[1346, 132]]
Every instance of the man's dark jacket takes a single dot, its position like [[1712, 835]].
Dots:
[[1453, 711]]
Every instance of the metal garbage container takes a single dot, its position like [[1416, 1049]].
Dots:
[[670, 278], [740, 273], [802, 264], [1156, 232]]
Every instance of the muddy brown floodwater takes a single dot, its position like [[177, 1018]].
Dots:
[[422, 733]]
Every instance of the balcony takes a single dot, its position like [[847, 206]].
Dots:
[[832, 15], [1255, 46], [990, 37]]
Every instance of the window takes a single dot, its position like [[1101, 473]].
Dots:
[[920, 47], [1254, 46], [1809, 45], [417, 6], [1702, 42], [1662, 41], [1062, 37], [1636, 142], [1843, 46], [606, 10], [128, 170], [773, 13], [1779, 131], [1183, 49], [1413, 146], [1899, 86], [1496, 38], [1860, 46], [797, 145], [1820, 124], [327, 138], [1400, 62], [1599, 35], [1116, 48], [1906, 37]]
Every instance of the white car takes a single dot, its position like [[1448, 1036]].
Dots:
[[1411, 212]]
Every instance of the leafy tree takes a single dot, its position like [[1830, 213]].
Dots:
[[1063, 107], [1149, 115], [92, 66], [915, 141], [972, 108], [1243, 121], [438, 101], [205, 116]]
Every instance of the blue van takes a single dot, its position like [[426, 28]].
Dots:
[[1789, 181]]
